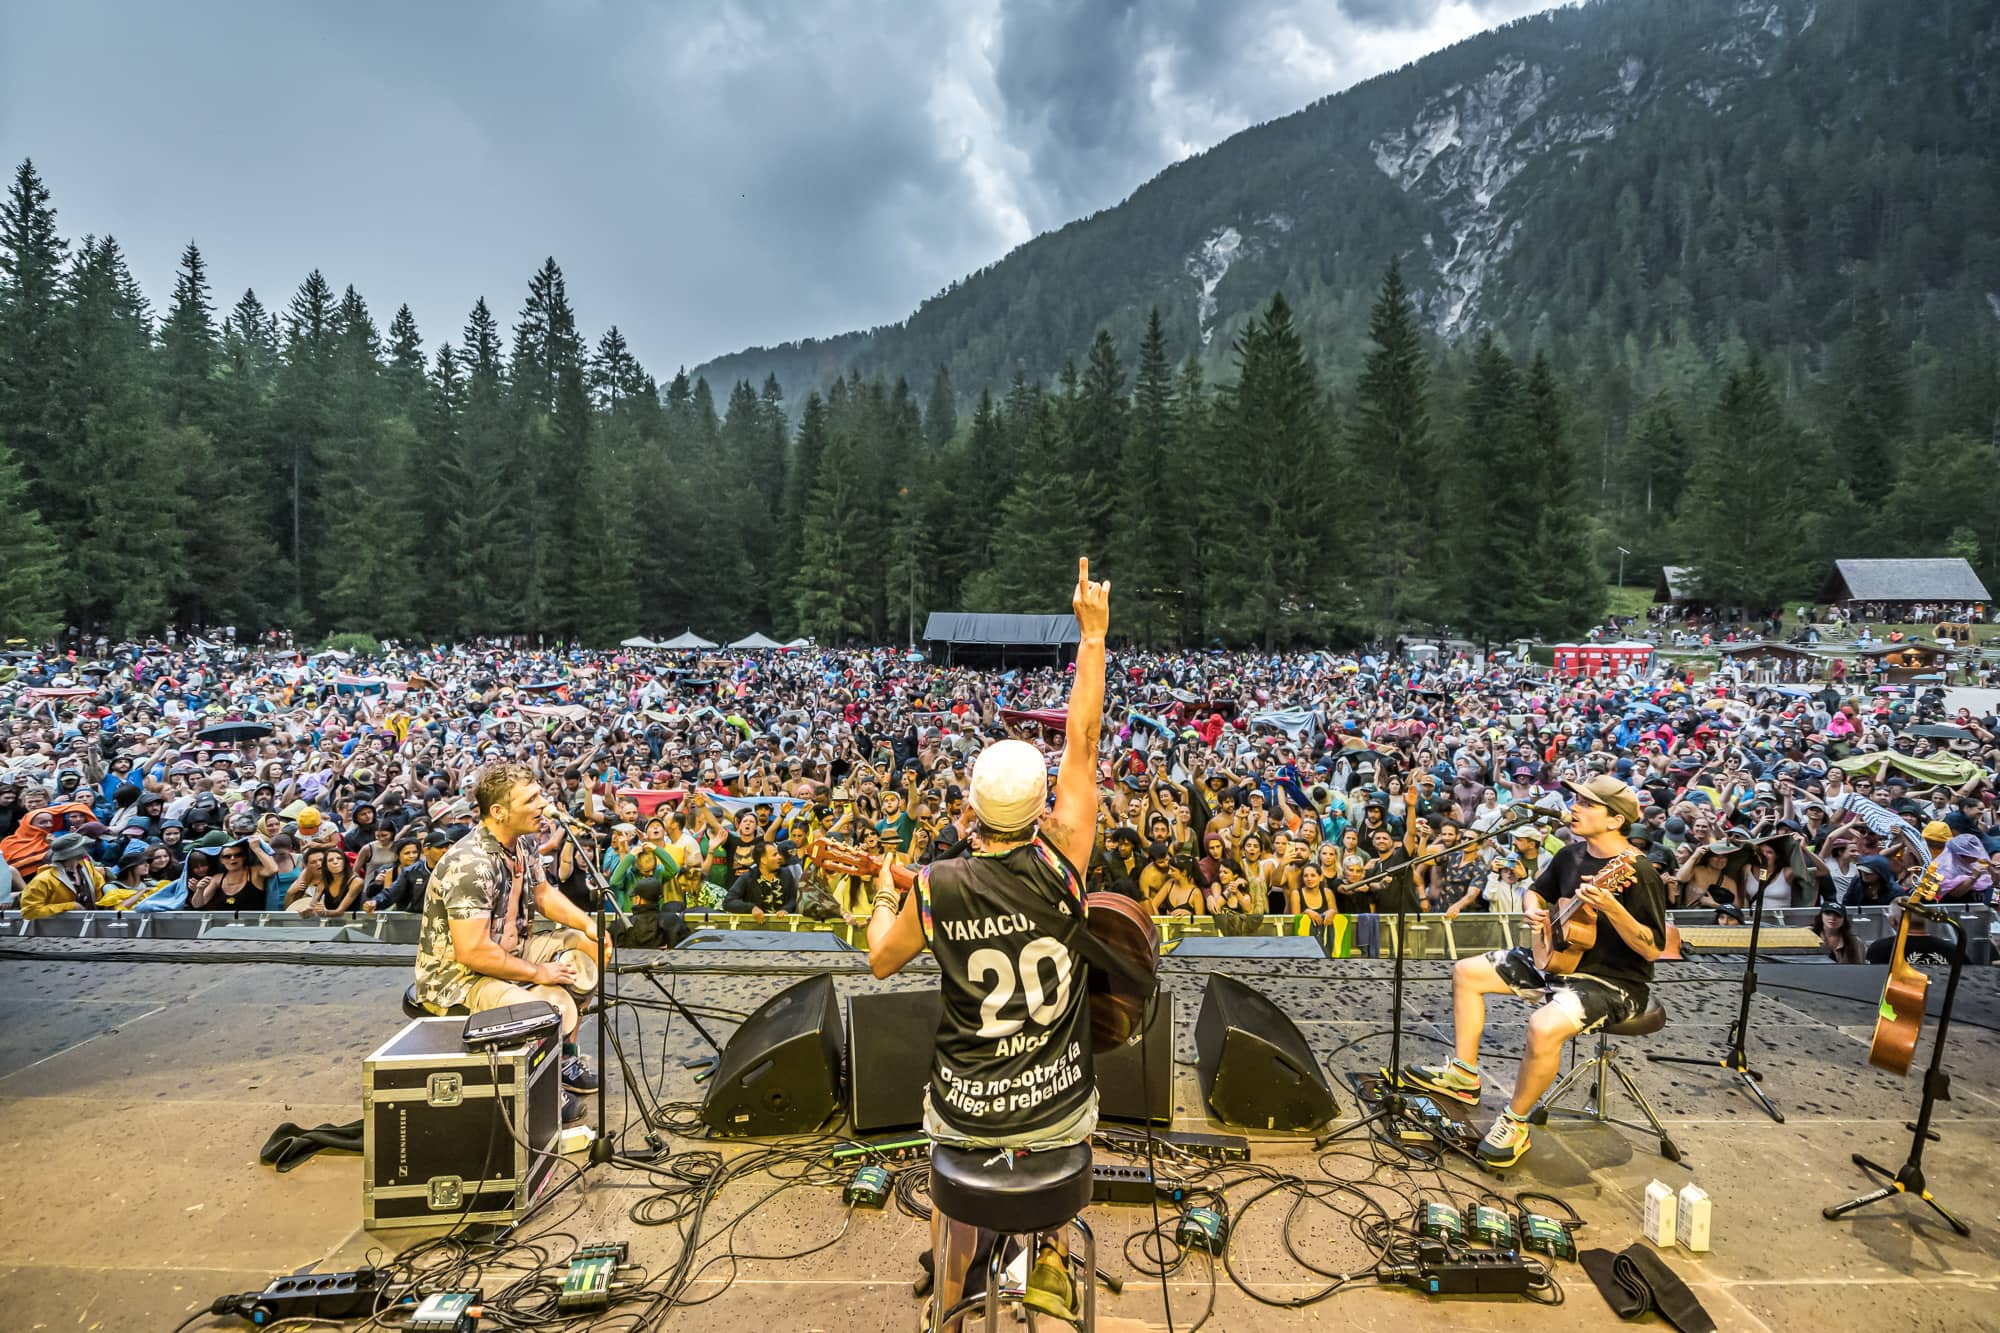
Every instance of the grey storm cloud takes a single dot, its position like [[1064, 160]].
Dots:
[[708, 175]]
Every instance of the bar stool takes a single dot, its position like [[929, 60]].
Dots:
[[1015, 1193], [1597, 1073]]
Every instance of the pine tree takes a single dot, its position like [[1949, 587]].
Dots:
[[1752, 538], [990, 468], [1657, 451], [605, 605], [303, 412], [406, 377], [33, 352], [1494, 499], [1192, 468], [800, 477], [1148, 514], [187, 341], [545, 342], [941, 412], [615, 374], [1567, 584], [835, 549], [371, 544], [1390, 463], [30, 562], [244, 444], [479, 494], [773, 454], [1043, 528], [1872, 404], [1275, 570]]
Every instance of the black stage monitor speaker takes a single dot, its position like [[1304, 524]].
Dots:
[[780, 1073], [1126, 1076], [890, 1039], [1256, 1069], [1248, 946]]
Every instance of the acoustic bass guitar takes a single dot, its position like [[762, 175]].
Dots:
[[1120, 997], [1899, 1018]]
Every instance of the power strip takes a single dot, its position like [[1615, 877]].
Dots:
[[1213, 1147], [1440, 1271], [1110, 1183], [914, 1149], [346, 1295]]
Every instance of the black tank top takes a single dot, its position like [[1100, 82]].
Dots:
[[1013, 1047]]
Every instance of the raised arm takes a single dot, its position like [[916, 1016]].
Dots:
[[1074, 820]]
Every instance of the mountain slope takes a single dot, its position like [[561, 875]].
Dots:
[[1693, 172]]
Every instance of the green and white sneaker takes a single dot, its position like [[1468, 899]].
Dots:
[[1453, 1079], [1506, 1143]]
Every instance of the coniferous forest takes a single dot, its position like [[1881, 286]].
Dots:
[[299, 464]]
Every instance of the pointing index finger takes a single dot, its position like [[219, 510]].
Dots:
[[1083, 571]]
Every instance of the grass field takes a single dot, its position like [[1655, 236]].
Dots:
[[1630, 600]]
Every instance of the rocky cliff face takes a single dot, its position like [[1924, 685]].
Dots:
[[1474, 149], [1701, 170]]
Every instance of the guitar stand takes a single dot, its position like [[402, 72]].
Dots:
[[1909, 1178], [1736, 1061]]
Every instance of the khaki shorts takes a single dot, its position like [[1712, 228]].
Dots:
[[570, 946]]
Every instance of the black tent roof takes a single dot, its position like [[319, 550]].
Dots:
[[996, 628]]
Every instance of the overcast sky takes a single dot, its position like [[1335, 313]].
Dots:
[[708, 175]]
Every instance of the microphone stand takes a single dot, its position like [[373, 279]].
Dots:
[[1736, 1061], [1394, 1105], [601, 1149]]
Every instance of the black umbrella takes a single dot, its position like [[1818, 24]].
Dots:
[[232, 733], [1937, 731]]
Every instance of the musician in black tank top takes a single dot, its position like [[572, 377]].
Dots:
[[1013, 1063]]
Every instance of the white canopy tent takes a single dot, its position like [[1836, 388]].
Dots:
[[754, 642], [637, 641], [688, 642]]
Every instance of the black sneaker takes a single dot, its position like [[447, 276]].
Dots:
[[572, 1109], [578, 1077]]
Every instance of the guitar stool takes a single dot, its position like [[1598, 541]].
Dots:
[[1602, 1068], [1014, 1193]]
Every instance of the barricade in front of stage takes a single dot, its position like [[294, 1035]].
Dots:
[[1356, 936]]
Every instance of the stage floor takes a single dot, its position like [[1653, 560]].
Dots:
[[136, 1090]]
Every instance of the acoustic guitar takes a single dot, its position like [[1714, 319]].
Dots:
[[1119, 1004], [1899, 1018], [1571, 929]]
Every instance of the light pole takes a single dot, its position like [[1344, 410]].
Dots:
[[1622, 553]]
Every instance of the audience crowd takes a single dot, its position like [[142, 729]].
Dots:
[[1312, 787]]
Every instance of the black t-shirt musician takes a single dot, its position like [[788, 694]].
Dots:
[[1610, 958], [1013, 1047]]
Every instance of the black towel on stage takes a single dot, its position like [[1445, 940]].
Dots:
[[289, 1145], [1636, 1280]]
